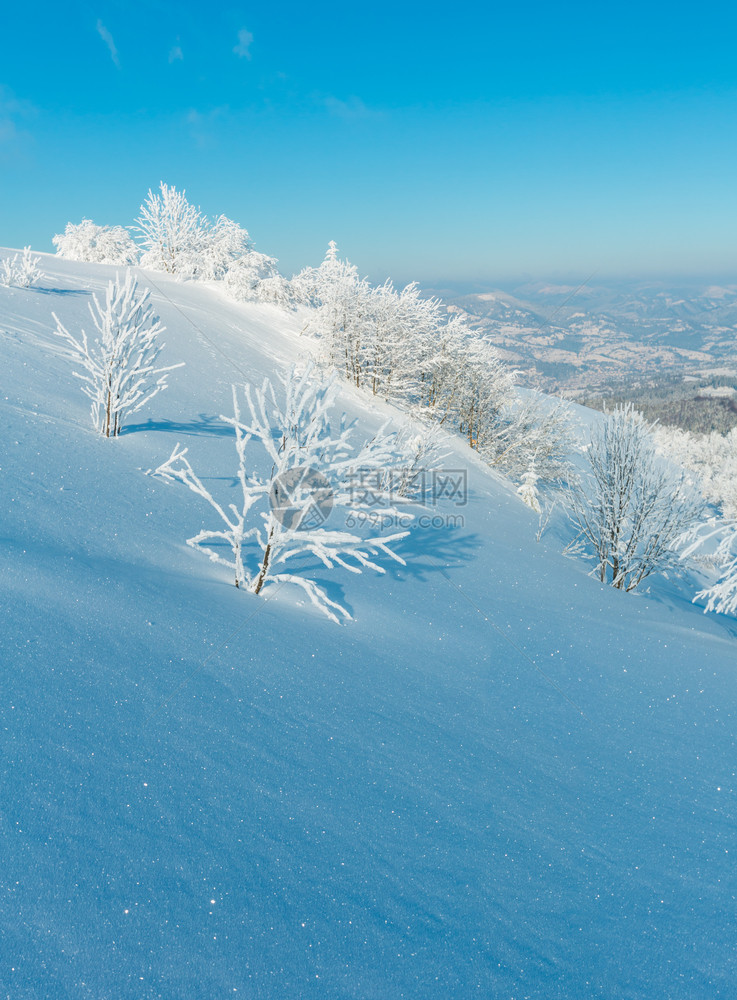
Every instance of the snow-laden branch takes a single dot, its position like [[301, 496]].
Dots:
[[313, 470], [719, 536]]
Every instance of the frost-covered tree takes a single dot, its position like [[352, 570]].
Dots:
[[21, 270], [336, 292], [420, 444], [412, 327], [173, 233], [408, 348], [313, 284], [532, 430], [719, 538], [96, 244], [711, 457], [527, 490], [119, 366], [224, 243], [276, 289], [442, 357], [630, 508], [245, 278], [280, 513], [485, 387]]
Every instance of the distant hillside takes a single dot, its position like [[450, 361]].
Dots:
[[579, 339]]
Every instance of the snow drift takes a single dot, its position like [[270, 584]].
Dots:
[[501, 779]]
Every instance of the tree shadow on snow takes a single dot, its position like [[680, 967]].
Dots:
[[432, 549], [61, 291], [204, 426], [426, 550]]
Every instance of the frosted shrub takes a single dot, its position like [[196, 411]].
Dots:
[[420, 445], [531, 431], [244, 275], [279, 516], [22, 270], [712, 457], [119, 372], [527, 490], [223, 243], [96, 244], [631, 508], [173, 233], [275, 289]]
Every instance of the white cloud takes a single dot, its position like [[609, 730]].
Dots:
[[176, 53], [242, 49], [108, 40]]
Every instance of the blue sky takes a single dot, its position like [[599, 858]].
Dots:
[[438, 142]]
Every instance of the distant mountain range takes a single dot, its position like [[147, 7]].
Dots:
[[576, 339]]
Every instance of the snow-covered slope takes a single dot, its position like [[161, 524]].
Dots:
[[501, 780]]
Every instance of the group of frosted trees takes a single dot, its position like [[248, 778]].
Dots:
[[712, 458], [397, 344], [407, 348], [312, 463], [712, 461], [633, 511], [173, 236], [630, 510]]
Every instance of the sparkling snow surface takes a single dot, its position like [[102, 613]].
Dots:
[[502, 780]]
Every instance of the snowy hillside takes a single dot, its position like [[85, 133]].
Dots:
[[500, 780]]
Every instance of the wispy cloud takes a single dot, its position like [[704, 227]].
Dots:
[[243, 48], [8, 131], [12, 112], [351, 110], [204, 126], [176, 53], [108, 40]]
